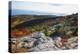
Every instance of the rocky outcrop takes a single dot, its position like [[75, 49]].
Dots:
[[39, 42]]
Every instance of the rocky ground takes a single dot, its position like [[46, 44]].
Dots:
[[37, 41]]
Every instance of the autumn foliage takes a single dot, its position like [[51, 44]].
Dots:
[[20, 33]]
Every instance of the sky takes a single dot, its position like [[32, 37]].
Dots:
[[45, 7]]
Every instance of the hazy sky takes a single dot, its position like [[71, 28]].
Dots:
[[45, 7]]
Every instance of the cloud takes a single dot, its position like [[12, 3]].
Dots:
[[56, 4], [44, 7]]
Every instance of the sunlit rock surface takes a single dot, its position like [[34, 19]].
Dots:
[[37, 41]]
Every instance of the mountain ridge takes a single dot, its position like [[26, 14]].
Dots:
[[30, 12]]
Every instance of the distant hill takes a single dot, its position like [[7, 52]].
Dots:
[[30, 12], [23, 18], [30, 20]]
